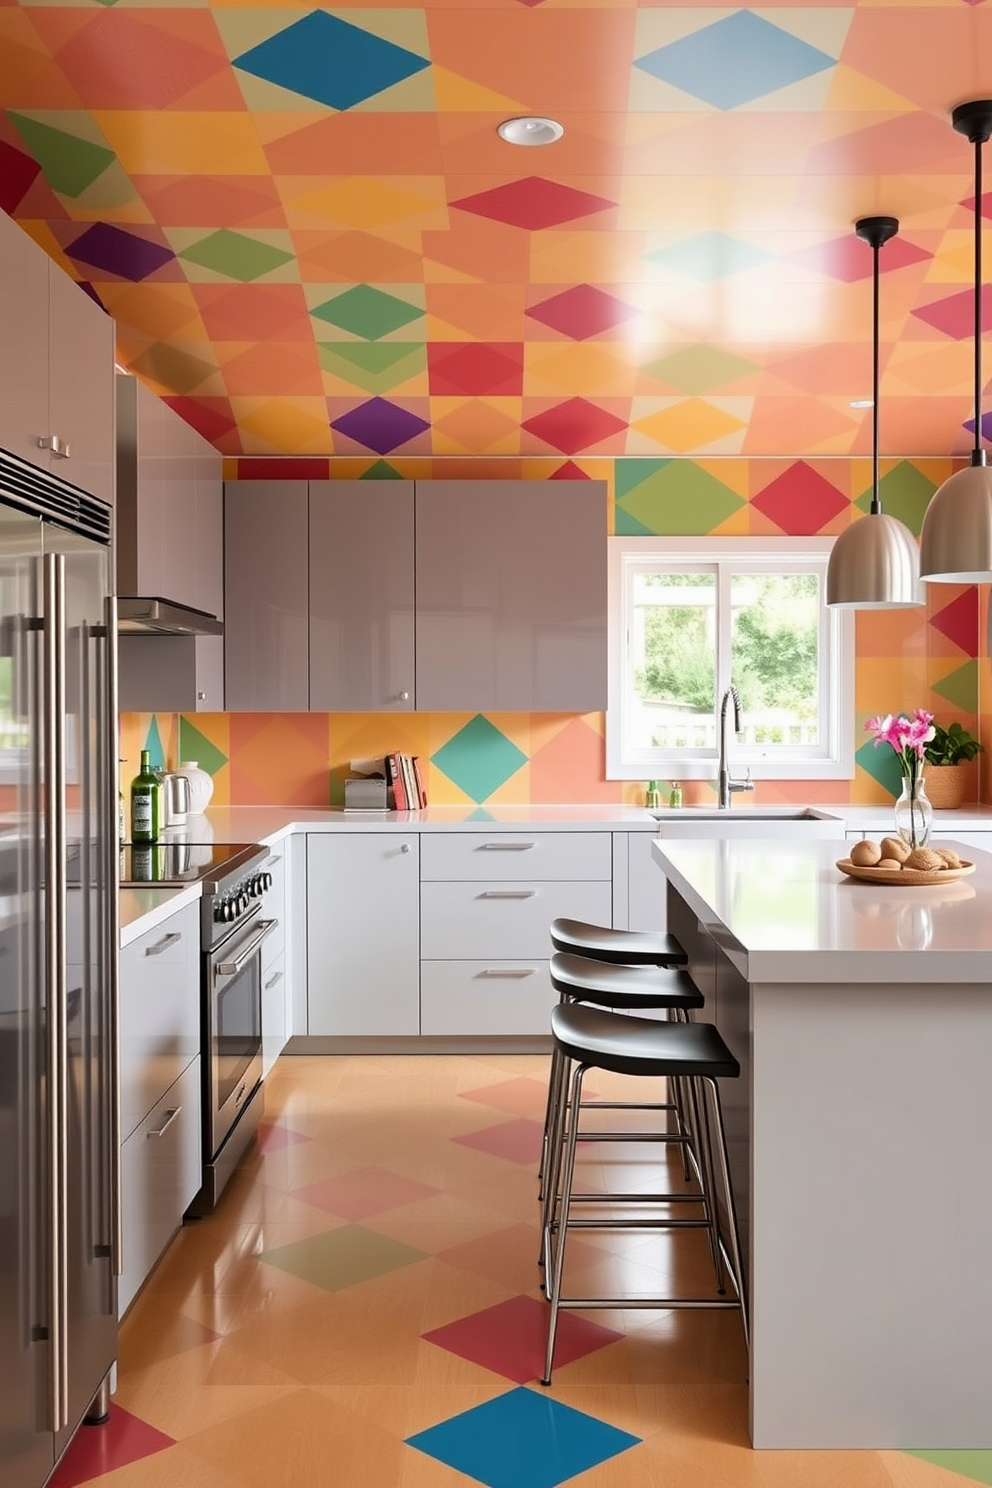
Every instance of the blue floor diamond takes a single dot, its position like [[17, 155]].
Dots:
[[523, 1439]]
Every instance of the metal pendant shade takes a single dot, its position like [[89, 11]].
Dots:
[[874, 564], [956, 537]]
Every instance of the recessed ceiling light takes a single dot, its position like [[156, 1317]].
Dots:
[[530, 130], [862, 403]]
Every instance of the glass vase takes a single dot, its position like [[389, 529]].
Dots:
[[914, 813]]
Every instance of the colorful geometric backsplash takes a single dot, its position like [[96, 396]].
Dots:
[[905, 659], [314, 242]]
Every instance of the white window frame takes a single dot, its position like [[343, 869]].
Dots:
[[833, 759]]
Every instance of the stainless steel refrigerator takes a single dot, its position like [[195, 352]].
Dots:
[[59, 1212]]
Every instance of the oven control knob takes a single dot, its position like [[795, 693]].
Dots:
[[266, 880], [244, 899]]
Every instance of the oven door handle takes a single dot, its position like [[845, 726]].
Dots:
[[231, 968]]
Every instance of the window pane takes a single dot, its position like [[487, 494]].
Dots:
[[775, 662], [673, 660]]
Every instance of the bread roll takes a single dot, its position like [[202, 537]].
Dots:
[[890, 863], [894, 847], [865, 854], [924, 859], [950, 857]]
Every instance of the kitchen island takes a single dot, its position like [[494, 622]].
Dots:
[[860, 1134]]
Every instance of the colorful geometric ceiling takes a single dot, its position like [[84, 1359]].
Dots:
[[313, 241]]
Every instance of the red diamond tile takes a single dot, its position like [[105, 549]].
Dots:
[[573, 426], [955, 315], [849, 259], [582, 312], [568, 471], [800, 501], [363, 1192], [521, 1095], [17, 171], [510, 1339], [96, 1450], [210, 417], [272, 1137], [533, 203], [958, 621], [517, 1141], [476, 368]]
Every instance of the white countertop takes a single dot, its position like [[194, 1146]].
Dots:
[[784, 913], [142, 910]]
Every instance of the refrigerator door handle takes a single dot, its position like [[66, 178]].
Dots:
[[112, 922], [55, 967]]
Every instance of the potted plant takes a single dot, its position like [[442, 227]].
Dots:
[[945, 755]]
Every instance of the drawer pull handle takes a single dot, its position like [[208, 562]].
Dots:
[[170, 1117], [56, 445], [515, 973], [272, 981], [164, 943], [508, 894], [505, 846]]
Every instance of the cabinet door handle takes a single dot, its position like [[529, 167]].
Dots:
[[514, 972], [404, 847], [272, 981], [55, 445], [404, 697], [170, 1117], [508, 894], [505, 846], [164, 943]]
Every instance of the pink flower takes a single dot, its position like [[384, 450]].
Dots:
[[907, 736]]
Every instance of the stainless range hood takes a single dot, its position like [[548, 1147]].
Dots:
[[155, 616]]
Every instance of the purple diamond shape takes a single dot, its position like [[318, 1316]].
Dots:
[[118, 252], [380, 425]]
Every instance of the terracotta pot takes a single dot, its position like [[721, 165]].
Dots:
[[945, 785]]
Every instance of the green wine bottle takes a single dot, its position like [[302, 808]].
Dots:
[[146, 803]]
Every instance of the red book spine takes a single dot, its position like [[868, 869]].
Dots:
[[399, 787]]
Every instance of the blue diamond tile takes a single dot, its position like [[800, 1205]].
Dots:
[[522, 1440], [734, 61], [709, 256], [479, 759], [324, 58]]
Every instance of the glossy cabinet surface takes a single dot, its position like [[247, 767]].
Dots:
[[363, 933], [56, 367], [361, 596], [511, 595], [275, 982], [266, 616]]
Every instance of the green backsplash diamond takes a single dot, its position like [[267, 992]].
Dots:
[[960, 687], [68, 164], [381, 470], [479, 759], [905, 493], [235, 255], [196, 746], [367, 312], [675, 498], [375, 366], [699, 369]]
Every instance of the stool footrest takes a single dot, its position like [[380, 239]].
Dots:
[[651, 1222], [720, 1304]]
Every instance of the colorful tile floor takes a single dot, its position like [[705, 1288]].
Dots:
[[363, 1311]]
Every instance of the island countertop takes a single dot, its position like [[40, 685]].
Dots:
[[783, 912]]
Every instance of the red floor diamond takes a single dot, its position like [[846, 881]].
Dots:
[[366, 1191], [510, 1338], [517, 1141], [96, 1450]]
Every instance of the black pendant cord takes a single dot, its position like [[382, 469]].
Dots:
[[876, 502], [978, 454]]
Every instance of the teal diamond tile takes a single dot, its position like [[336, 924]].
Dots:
[[881, 764], [153, 743], [367, 312], [237, 256], [342, 1257], [479, 759]]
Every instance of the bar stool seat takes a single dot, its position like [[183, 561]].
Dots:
[[585, 1038], [621, 947]]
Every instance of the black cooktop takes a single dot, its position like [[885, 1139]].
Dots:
[[177, 862]]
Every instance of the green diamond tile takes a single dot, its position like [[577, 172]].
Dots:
[[624, 525], [699, 369], [374, 366], [235, 255], [976, 1465], [629, 474], [367, 312], [381, 470], [905, 493], [172, 367], [69, 164], [479, 759], [678, 499], [196, 746], [960, 687], [341, 1258]]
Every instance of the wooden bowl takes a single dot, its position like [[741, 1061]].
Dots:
[[907, 876]]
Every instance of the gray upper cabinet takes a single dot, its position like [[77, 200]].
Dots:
[[361, 596], [266, 603], [511, 595], [56, 368]]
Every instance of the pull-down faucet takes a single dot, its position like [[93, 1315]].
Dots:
[[726, 784]]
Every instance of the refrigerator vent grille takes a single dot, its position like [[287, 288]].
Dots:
[[45, 495]]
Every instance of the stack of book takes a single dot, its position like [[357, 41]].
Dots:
[[404, 778]]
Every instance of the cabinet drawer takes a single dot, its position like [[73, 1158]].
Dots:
[[159, 1012], [275, 1007], [515, 855], [502, 997], [474, 921], [160, 1176]]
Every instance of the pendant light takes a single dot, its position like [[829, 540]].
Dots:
[[956, 537], [874, 564]]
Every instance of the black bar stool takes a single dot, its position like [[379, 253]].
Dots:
[[621, 947], [591, 1038]]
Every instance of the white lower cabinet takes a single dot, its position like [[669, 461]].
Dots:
[[275, 981], [363, 933], [160, 1090], [647, 886], [485, 997]]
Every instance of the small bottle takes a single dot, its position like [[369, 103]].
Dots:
[[652, 795], [146, 802], [675, 796]]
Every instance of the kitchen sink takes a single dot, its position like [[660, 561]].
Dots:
[[713, 813], [772, 821]]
